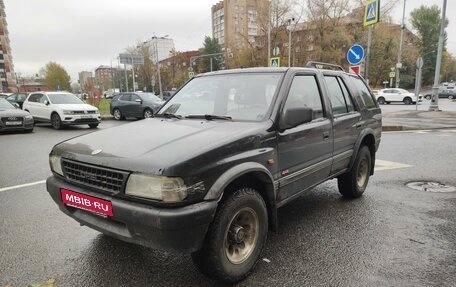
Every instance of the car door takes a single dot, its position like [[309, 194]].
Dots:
[[305, 151], [347, 121], [136, 106], [33, 106], [123, 103]]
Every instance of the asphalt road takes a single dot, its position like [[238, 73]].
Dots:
[[392, 236]]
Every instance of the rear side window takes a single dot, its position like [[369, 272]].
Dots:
[[364, 92], [125, 97], [338, 94], [35, 98]]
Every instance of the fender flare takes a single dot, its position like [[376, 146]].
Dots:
[[362, 136]]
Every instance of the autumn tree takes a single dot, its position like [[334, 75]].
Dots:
[[426, 21], [56, 77], [206, 64]]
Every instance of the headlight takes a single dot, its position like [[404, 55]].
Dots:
[[28, 117], [68, 112], [167, 189], [56, 166]]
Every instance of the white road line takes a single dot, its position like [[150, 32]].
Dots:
[[22, 185], [386, 165]]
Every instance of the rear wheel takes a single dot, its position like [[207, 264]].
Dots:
[[56, 122], [407, 101], [117, 115], [235, 238], [450, 97], [427, 97], [381, 100], [353, 183]]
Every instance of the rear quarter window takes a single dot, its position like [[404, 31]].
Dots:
[[364, 93]]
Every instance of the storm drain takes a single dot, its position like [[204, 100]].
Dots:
[[431, 186]]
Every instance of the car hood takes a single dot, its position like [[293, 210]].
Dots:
[[153, 144], [13, 113], [76, 107]]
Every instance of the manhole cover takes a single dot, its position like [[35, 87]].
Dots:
[[431, 186]]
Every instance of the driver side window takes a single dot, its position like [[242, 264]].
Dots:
[[304, 92]]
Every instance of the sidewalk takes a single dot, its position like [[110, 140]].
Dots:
[[418, 120]]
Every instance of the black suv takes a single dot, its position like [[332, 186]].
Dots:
[[207, 174], [137, 105]]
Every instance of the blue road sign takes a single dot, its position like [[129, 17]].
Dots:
[[355, 54]]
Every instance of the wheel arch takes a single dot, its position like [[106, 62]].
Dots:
[[250, 174], [367, 138]]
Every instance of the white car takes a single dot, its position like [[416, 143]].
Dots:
[[396, 95], [61, 109]]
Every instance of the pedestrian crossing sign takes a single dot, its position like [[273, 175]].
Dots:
[[372, 12], [274, 62]]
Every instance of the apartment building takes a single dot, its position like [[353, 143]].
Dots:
[[7, 75], [236, 23]]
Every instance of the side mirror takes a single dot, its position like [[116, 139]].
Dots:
[[296, 116], [46, 102], [138, 101], [16, 105]]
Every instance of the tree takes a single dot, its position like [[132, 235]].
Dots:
[[56, 77], [426, 20], [211, 46]]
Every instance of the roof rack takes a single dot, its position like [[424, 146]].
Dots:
[[321, 65]]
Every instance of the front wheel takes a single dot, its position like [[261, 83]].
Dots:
[[148, 113], [381, 101], [235, 238], [407, 101], [353, 183], [56, 122], [450, 97]]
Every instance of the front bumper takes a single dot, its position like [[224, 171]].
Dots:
[[181, 229], [80, 120]]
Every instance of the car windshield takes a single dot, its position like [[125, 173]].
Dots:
[[245, 97], [149, 97], [64, 99], [4, 104]]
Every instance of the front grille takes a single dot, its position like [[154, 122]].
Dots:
[[86, 121], [78, 112], [12, 119], [105, 179], [91, 112]]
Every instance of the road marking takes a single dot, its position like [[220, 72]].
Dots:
[[386, 165], [22, 185]]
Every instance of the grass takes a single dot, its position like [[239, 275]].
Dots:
[[104, 107]]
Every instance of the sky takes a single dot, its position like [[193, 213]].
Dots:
[[81, 35]]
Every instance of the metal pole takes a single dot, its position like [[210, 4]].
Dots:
[[158, 69], [369, 43], [133, 72], [289, 42], [434, 106], [210, 59], [126, 78], [399, 54], [269, 34]]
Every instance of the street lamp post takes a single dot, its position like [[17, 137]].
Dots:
[[289, 40], [434, 106], [399, 54]]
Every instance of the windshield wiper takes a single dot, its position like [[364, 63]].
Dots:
[[209, 117], [169, 116]]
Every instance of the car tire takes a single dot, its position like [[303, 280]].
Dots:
[[29, 130], [56, 122], [381, 100], [427, 97], [148, 113], [235, 238], [450, 97], [93, 126], [353, 183], [407, 101], [117, 115]]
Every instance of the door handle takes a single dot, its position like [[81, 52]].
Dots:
[[325, 136]]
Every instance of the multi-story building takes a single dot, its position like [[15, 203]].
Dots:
[[104, 76], [236, 23], [161, 46], [7, 76]]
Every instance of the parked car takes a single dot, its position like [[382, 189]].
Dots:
[[444, 93], [18, 98], [396, 95], [4, 95], [61, 109], [207, 174], [136, 105], [12, 118]]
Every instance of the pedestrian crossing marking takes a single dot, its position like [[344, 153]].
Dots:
[[387, 165]]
